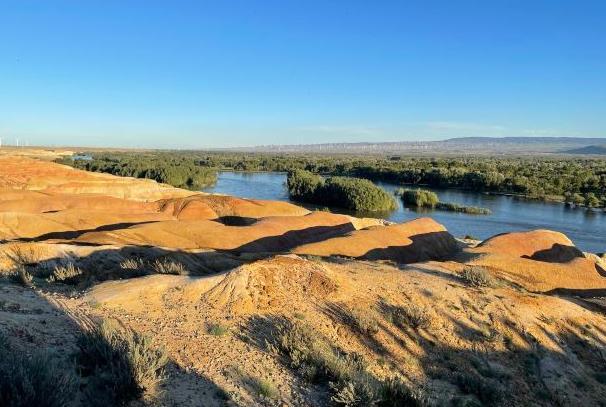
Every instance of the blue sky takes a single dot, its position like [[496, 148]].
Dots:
[[195, 74]]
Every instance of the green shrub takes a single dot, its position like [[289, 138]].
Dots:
[[420, 198], [37, 381], [122, 365], [356, 194], [344, 192], [303, 185], [216, 329]]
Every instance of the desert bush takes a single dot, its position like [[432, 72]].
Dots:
[[364, 322], [477, 276], [121, 365], [345, 374], [265, 388], [350, 394], [217, 329], [68, 274], [167, 266], [38, 381], [413, 316]]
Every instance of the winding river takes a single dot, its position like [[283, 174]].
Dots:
[[587, 229]]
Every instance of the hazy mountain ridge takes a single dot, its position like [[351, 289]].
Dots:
[[593, 149], [463, 145]]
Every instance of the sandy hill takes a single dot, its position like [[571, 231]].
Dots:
[[267, 303]]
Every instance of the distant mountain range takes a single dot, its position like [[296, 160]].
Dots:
[[597, 150], [458, 146]]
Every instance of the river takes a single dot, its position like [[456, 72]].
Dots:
[[587, 229]]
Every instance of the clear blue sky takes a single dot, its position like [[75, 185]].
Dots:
[[231, 73]]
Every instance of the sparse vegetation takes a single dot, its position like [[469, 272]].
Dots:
[[364, 322], [477, 276], [422, 198], [266, 388], [470, 210], [345, 374], [23, 254], [20, 275], [121, 365], [132, 264], [67, 274], [216, 329], [168, 266], [39, 380], [411, 316]]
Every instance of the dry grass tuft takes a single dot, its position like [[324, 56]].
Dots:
[[68, 274], [167, 266], [132, 264]]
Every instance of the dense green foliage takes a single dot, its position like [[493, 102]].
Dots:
[[350, 193], [304, 186], [541, 178], [420, 198], [170, 168]]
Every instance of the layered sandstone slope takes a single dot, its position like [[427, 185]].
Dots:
[[32, 174], [541, 260], [419, 240], [42, 200], [270, 234]]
